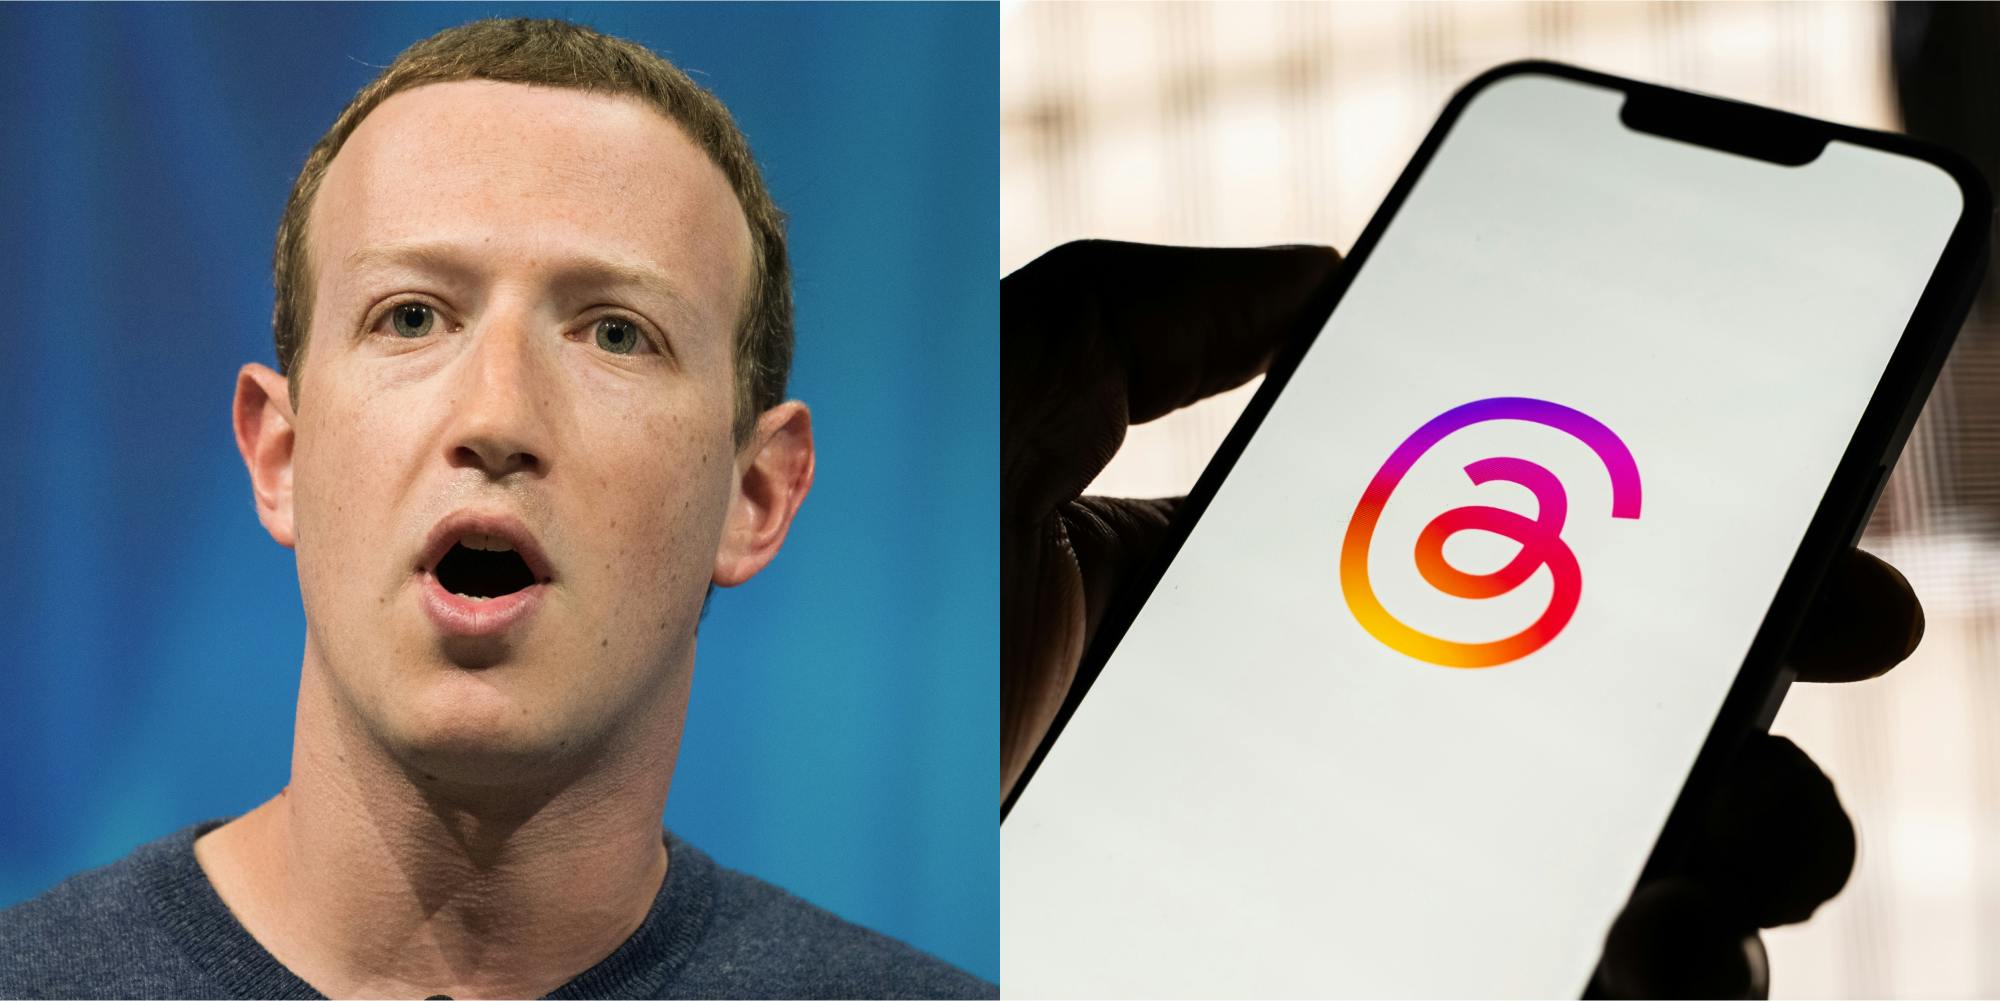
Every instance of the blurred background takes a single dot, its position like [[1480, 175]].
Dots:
[[842, 733], [1258, 123]]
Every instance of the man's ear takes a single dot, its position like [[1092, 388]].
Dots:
[[264, 434], [773, 472]]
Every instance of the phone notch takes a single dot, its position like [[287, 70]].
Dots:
[[1758, 133]]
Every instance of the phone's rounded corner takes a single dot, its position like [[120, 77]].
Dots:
[[1506, 71], [1972, 233], [1974, 190], [1519, 67], [1968, 252]]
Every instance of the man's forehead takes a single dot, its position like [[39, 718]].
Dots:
[[477, 162]]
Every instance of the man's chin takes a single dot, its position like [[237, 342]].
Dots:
[[470, 733], [467, 766]]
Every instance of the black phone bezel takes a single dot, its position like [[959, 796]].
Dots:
[[1850, 496]]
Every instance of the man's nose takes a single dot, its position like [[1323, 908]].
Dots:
[[497, 424]]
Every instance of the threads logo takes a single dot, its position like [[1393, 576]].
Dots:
[[1540, 537]]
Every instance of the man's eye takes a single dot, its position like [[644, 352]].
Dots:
[[412, 319], [620, 337]]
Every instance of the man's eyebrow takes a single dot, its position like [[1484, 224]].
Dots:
[[579, 273]]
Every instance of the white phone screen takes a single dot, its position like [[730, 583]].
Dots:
[[1422, 775]]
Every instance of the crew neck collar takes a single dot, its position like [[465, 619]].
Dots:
[[238, 966]]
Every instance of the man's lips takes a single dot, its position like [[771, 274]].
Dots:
[[458, 615], [462, 615]]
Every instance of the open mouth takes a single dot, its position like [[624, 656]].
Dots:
[[482, 566], [484, 574]]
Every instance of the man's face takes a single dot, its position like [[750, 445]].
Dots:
[[524, 313]]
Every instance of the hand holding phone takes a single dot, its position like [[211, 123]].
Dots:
[[1099, 335]]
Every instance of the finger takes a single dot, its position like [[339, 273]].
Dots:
[[1675, 939], [1189, 322], [1041, 640], [1114, 538], [1864, 621], [1775, 843], [1093, 547]]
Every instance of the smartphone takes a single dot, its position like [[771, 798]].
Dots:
[[1500, 563]]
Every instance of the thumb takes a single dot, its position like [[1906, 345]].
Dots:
[[1115, 540]]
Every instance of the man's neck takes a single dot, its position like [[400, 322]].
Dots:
[[369, 878]]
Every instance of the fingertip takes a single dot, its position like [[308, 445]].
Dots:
[[1677, 939], [1315, 264], [1864, 620], [1776, 842], [1315, 255]]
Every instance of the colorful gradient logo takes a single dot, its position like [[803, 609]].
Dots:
[[1540, 537]]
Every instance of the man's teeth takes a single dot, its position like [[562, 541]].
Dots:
[[484, 542]]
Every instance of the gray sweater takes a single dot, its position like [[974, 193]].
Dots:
[[151, 926]]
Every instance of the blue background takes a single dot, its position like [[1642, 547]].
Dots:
[[842, 736]]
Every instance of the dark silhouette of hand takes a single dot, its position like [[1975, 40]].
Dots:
[[1097, 336]]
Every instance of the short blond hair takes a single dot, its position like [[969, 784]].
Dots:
[[554, 53]]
